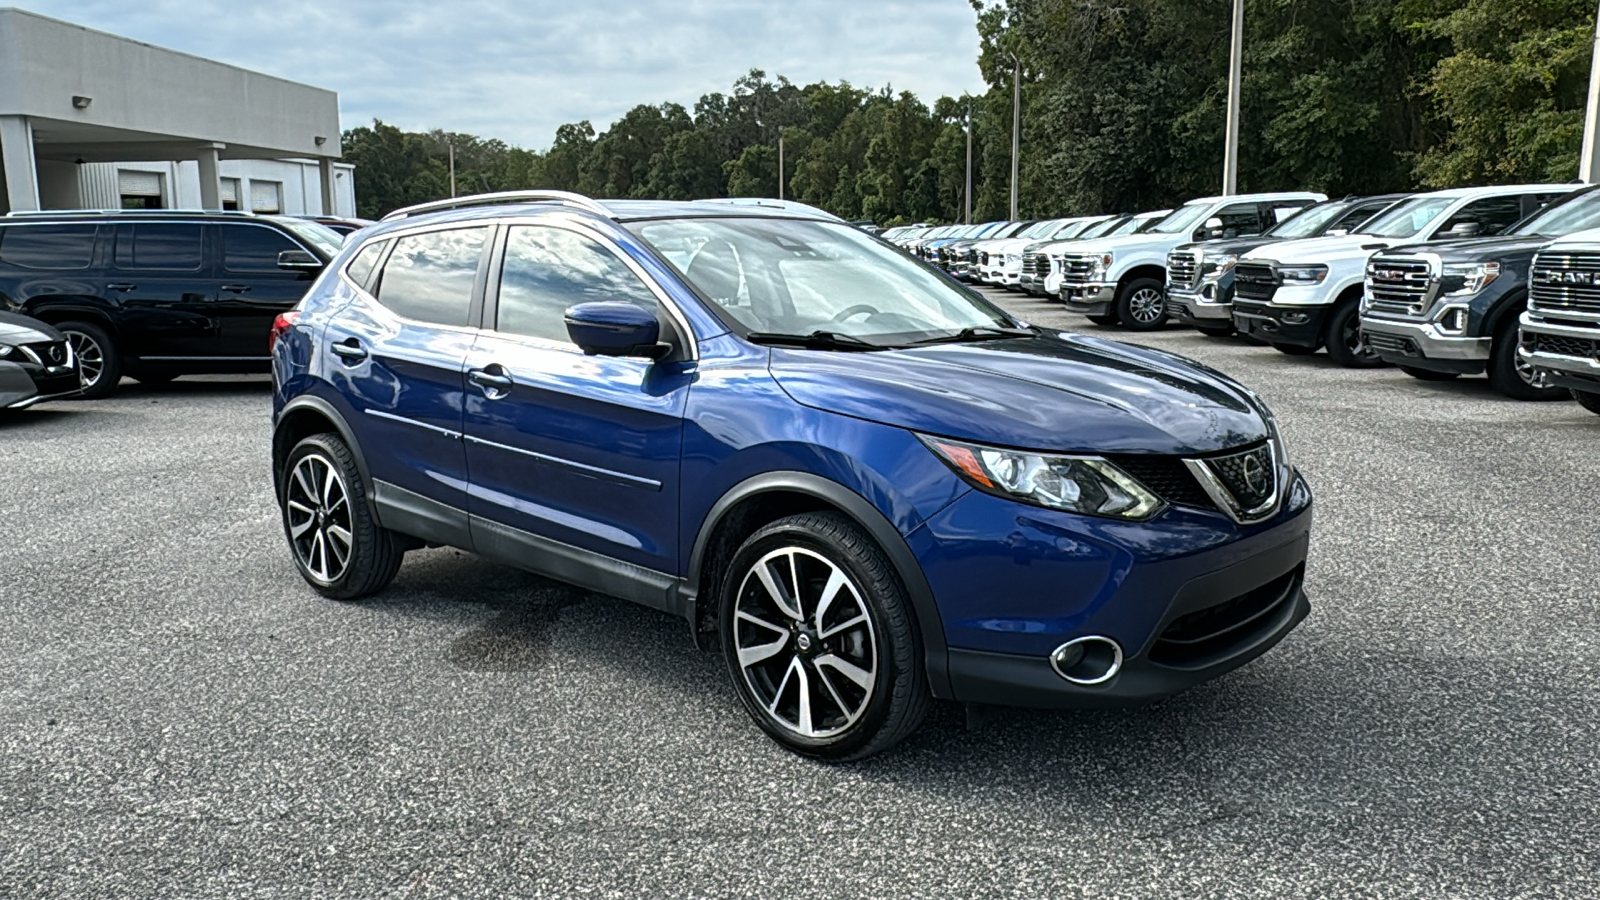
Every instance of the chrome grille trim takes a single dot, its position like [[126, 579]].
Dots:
[[1399, 285]]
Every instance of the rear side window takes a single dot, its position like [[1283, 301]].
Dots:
[[252, 248], [159, 246], [360, 269], [48, 246], [547, 270], [429, 276]]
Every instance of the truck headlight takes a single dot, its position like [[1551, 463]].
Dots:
[[1216, 265], [1098, 265], [1466, 279], [1080, 484], [1302, 274], [5, 350]]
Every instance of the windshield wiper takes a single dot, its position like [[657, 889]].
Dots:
[[978, 333], [816, 340]]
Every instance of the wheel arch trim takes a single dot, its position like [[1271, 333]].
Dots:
[[315, 404]]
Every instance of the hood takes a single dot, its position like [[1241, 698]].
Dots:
[[1127, 242], [1055, 392], [1235, 246], [1475, 249], [1324, 249], [1009, 245], [15, 329]]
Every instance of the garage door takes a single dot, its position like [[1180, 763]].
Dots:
[[138, 184], [230, 192], [266, 196]]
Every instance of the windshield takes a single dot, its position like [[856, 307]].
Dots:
[[1040, 229], [790, 276], [320, 236], [1408, 218], [1063, 230], [1104, 227], [1581, 213], [1183, 219], [1309, 222]]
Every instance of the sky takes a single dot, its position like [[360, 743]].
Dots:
[[517, 69]]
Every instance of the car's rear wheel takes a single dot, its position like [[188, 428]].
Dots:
[[99, 363], [820, 639], [1347, 346], [339, 547], [1588, 401], [1511, 375], [1428, 374], [1142, 305]]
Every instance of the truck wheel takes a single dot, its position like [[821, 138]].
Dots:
[[1429, 374], [1512, 377], [1142, 305], [1588, 401], [1347, 346], [99, 363]]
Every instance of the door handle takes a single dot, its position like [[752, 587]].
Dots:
[[122, 286], [236, 288], [350, 351], [494, 385]]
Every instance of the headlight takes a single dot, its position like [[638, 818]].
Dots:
[[1079, 484], [1099, 264], [1302, 274], [1465, 279], [5, 350], [1216, 265]]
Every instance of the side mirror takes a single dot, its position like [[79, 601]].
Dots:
[[1210, 231], [615, 328], [299, 260], [1465, 230], [1338, 232]]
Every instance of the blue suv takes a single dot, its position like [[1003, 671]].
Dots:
[[865, 484]]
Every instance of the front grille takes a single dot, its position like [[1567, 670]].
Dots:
[[1391, 343], [1253, 281], [983, 258], [1565, 282], [1075, 268], [1036, 265], [1210, 633], [1251, 476], [1183, 268], [1168, 478], [1563, 346], [1398, 286]]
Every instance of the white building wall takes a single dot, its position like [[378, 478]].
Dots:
[[97, 185]]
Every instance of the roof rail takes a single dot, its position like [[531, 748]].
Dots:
[[565, 198], [25, 213]]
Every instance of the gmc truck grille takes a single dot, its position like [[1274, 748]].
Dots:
[[1565, 282], [1183, 269], [1398, 286], [1252, 281], [1562, 346]]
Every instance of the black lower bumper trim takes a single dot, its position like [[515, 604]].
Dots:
[[1272, 324]]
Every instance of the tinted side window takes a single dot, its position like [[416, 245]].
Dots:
[[251, 248], [159, 246], [429, 277], [360, 269], [1492, 214], [48, 246], [1240, 219], [548, 269]]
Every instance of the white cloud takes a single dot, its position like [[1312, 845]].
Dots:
[[516, 70]]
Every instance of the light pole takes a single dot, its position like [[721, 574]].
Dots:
[[969, 162], [1230, 157], [451, 143], [1589, 161], [1016, 127], [780, 164]]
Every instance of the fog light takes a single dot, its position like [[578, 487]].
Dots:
[[1209, 292], [1454, 321], [1088, 660], [1296, 318]]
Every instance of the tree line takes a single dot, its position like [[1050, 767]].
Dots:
[[1123, 109]]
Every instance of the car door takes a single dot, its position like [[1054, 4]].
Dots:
[[164, 290], [395, 356], [579, 452], [253, 290]]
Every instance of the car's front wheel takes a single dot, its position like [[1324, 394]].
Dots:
[[1513, 376], [820, 639], [1588, 401], [99, 363], [339, 547], [1346, 344], [1142, 305]]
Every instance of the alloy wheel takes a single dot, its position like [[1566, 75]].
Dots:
[[91, 358], [1146, 305], [805, 641], [318, 515]]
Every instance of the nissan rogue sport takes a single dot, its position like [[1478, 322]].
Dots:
[[864, 483]]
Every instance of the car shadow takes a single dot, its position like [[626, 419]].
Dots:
[[195, 386], [37, 416]]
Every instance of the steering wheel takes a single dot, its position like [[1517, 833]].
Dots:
[[858, 309]]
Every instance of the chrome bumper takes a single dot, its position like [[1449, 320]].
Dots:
[[1196, 307], [1430, 342]]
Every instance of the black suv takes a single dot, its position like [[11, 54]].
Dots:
[[155, 295], [1447, 309]]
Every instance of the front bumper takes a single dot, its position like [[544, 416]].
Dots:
[[22, 386], [1192, 308], [1089, 299], [1422, 345], [1570, 366], [1013, 585], [1281, 323]]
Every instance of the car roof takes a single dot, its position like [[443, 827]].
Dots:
[[1267, 197], [1494, 190]]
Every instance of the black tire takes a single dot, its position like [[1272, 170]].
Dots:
[[1216, 331], [888, 709], [1429, 374], [374, 552], [1142, 304], [1346, 345], [1588, 401], [1294, 349], [97, 355], [1508, 375], [1104, 321]]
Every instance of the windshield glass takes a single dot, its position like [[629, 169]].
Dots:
[[1581, 213], [790, 276], [316, 234], [1183, 219], [1308, 222], [1113, 225], [1040, 229], [1408, 218], [1060, 231]]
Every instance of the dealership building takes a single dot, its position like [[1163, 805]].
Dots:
[[89, 120]]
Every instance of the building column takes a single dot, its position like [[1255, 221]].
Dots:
[[329, 197], [16, 155], [210, 177]]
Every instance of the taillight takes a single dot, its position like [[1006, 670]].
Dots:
[[281, 324]]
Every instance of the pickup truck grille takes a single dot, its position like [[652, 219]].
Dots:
[[1252, 281], [1561, 346], [1398, 286], [1183, 269], [1565, 282], [1075, 268], [1036, 265]]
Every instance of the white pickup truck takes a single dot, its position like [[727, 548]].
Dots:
[[1560, 332], [1124, 279]]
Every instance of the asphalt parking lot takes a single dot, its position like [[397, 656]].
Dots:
[[180, 716]]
